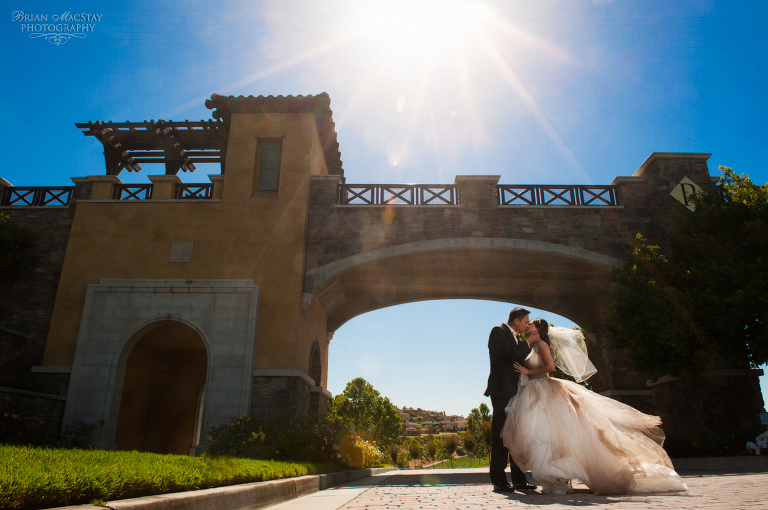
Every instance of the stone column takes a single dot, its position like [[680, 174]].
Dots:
[[103, 186], [662, 172], [324, 189], [477, 192], [281, 395], [164, 186], [218, 186]]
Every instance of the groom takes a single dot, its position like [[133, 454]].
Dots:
[[505, 347]]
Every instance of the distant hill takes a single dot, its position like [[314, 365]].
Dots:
[[417, 421]]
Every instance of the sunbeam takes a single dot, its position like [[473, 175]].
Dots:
[[509, 76], [269, 71]]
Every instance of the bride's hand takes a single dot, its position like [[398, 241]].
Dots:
[[520, 368]]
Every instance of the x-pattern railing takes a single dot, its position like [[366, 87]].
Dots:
[[193, 191], [397, 194], [576, 195], [132, 192], [37, 196]]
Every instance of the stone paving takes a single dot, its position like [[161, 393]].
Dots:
[[469, 489]]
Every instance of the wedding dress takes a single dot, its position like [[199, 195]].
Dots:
[[559, 431]]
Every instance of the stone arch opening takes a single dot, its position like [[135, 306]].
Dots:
[[162, 391], [565, 281]]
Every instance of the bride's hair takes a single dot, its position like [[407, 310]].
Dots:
[[543, 328]]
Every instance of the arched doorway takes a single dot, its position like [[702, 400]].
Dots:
[[160, 406]]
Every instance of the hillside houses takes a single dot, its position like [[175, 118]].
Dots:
[[418, 421]]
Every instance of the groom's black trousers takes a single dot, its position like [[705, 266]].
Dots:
[[499, 453]]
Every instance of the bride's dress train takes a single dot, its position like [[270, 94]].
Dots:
[[560, 431]]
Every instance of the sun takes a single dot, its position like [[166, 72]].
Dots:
[[418, 31]]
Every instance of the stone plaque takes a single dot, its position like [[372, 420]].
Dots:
[[684, 190], [181, 251]]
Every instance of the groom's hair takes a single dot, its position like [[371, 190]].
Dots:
[[517, 313]]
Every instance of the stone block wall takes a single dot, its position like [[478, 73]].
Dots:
[[26, 303], [280, 398]]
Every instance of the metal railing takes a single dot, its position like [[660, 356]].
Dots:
[[193, 191], [575, 195], [132, 192], [397, 194], [37, 196]]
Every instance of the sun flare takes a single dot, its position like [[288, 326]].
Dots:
[[419, 30], [436, 73]]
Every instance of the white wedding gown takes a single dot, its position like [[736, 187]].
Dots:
[[561, 431]]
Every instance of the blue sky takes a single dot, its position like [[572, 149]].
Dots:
[[560, 92]]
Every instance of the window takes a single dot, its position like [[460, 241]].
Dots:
[[269, 166]]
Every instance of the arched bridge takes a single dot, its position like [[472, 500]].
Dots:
[[550, 247]]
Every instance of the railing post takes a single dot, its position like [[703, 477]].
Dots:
[[164, 186], [218, 186], [4, 186], [103, 186], [477, 191]]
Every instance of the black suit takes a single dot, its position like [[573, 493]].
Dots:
[[504, 351]]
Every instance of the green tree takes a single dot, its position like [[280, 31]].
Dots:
[[431, 449], [415, 449], [477, 415], [468, 443], [440, 452], [704, 299], [15, 242], [477, 440], [366, 410], [450, 443]]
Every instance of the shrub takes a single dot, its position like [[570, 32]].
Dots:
[[20, 429], [760, 445], [300, 440], [358, 452], [17, 427], [239, 437], [79, 435]]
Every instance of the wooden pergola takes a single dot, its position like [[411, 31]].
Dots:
[[177, 144]]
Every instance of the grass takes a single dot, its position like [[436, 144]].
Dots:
[[461, 462], [51, 477]]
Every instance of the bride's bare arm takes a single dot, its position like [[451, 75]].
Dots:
[[546, 356]]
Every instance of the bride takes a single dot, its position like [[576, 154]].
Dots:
[[560, 431]]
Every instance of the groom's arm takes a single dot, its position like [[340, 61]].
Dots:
[[522, 350], [503, 350]]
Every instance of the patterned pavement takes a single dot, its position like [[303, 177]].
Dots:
[[469, 489]]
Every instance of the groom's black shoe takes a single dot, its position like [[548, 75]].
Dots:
[[503, 488], [524, 487]]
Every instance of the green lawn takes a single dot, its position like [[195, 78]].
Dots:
[[51, 477], [462, 462]]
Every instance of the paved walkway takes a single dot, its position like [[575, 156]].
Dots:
[[446, 489]]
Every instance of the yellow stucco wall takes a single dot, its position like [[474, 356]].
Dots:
[[254, 235]]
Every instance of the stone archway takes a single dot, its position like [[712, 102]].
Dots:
[[563, 280], [164, 376], [118, 314]]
